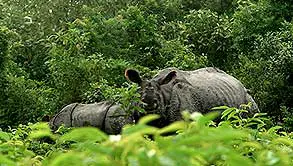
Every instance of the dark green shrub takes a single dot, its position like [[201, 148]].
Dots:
[[165, 10], [266, 70], [251, 21], [181, 56], [31, 56], [219, 6], [3, 61], [143, 38], [65, 52], [283, 9], [27, 101], [209, 35]]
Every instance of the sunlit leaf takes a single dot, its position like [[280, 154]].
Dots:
[[255, 145], [84, 134], [5, 161], [274, 129], [139, 129], [41, 130], [148, 118], [226, 112], [4, 136], [284, 141], [204, 120], [220, 108], [180, 125]]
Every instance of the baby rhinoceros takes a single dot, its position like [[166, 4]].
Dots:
[[172, 91], [104, 115]]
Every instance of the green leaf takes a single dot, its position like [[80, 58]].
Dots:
[[226, 112], [285, 141], [254, 145], [220, 108], [234, 159], [274, 129], [204, 120], [40, 130], [140, 129], [4, 136], [259, 114], [148, 118], [232, 115], [5, 161], [84, 134], [173, 127], [69, 159]]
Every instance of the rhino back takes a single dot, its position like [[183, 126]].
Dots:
[[62, 117], [219, 89], [200, 90], [90, 114], [204, 91], [116, 118], [211, 85], [187, 77]]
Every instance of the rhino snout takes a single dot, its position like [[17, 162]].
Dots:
[[150, 106]]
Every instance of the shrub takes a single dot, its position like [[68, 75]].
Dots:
[[266, 69], [250, 22], [209, 35], [196, 143]]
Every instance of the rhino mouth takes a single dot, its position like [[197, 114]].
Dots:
[[150, 108]]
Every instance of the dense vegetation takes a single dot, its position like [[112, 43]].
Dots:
[[56, 52], [197, 143]]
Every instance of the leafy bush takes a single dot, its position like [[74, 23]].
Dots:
[[3, 60], [268, 67], [197, 143], [250, 22], [23, 100], [209, 35], [55, 53]]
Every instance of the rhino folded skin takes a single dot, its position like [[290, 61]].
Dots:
[[195, 91], [105, 115], [203, 89], [63, 117]]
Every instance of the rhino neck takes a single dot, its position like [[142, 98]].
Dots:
[[166, 93]]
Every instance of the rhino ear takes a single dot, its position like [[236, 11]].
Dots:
[[170, 76], [133, 76]]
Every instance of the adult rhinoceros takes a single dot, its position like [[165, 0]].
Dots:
[[172, 91], [106, 115]]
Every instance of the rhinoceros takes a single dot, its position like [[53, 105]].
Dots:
[[172, 90], [105, 115]]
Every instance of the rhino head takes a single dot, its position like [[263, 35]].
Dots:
[[154, 92]]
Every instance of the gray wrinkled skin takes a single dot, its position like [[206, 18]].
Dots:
[[172, 91], [106, 116]]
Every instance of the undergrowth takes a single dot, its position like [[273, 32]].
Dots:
[[198, 141]]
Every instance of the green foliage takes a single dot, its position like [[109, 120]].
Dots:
[[27, 101], [273, 56], [252, 21], [53, 53], [196, 143], [22, 100], [183, 57], [209, 35], [3, 60]]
